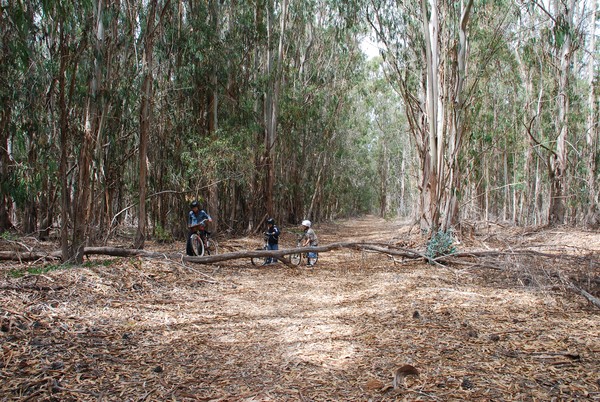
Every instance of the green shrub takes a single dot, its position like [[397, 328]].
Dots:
[[162, 235], [17, 273], [42, 269], [440, 244], [8, 236], [95, 263]]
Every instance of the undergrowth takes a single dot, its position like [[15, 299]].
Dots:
[[43, 269], [440, 244]]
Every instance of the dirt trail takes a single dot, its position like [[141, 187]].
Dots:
[[137, 329]]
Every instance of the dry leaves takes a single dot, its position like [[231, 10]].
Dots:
[[133, 329]]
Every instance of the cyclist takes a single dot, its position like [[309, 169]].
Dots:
[[272, 235], [197, 219], [309, 238]]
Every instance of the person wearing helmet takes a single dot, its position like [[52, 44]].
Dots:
[[197, 220], [309, 239], [272, 235]]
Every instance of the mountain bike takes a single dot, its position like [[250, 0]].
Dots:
[[260, 261], [311, 256], [208, 246]]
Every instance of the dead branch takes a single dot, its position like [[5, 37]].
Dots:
[[282, 253], [210, 259], [594, 300], [28, 255]]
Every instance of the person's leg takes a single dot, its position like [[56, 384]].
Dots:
[[274, 247], [188, 246], [310, 255], [271, 247], [203, 237]]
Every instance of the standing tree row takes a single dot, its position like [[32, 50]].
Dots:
[[116, 113], [495, 96], [122, 111]]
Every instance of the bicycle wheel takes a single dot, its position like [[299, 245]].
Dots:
[[296, 259], [197, 245], [312, 258], [259, 261], [212, 247]]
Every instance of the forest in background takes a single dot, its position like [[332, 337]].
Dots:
[[119, 112]]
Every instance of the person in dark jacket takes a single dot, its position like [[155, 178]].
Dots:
[[272, 235]]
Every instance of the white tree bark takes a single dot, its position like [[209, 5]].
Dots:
[[592, 218], [430, 187], [438, 192], [563, 36]]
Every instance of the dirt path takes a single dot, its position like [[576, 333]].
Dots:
[[144, 330]]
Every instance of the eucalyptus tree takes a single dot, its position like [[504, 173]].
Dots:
[[390, 144], [274, 70], [530, 58], [13, 59], [427, 50], [549, 58], [46, 44], [92, 128], [321, 119], [562, 17], [150, 30], [26, 125], [592, 126]]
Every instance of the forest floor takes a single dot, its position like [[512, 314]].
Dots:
[[129, 329]]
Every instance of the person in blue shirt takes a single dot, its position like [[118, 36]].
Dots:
[[272, 235], [197, 220]]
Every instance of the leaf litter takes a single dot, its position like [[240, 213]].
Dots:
[[502, 327]]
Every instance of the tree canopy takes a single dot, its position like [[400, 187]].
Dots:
[[121, 112]]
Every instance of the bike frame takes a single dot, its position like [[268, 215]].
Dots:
[[208, 245], [260, 261], [297, 258]]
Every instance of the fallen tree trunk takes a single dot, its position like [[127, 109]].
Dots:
[[594, 300], [209, 259], [375, 247], [389, 249], [25, 256]]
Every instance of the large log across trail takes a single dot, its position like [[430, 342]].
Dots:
[[383, 248], [210, 259]]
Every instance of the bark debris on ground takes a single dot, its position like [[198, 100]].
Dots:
[[121, 329]]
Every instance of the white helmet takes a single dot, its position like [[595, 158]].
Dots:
[[306, 223]]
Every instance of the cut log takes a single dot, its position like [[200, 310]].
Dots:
[[210, 259]]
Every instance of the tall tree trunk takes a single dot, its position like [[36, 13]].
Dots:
[[5, 170], [213, 99], [430, 199], [255, 188], [592, 218], [558, 161], [82, 207], [65, 143], [213, 191], [274, 71], [82, 193], [145, 116], [383, 179], [457, 129], [6, 112]]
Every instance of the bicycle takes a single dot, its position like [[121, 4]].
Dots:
[[207, 246], [311, 256], [260, 261]]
